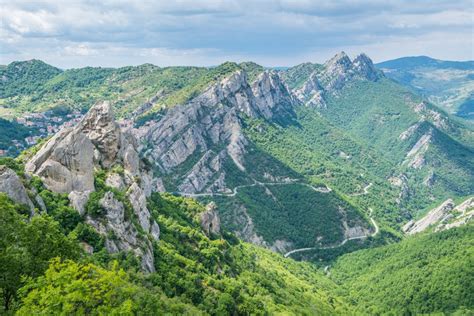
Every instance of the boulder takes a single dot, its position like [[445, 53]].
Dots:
[[11, 185], [210, 222]]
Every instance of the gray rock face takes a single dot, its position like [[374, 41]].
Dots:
[[138, 200], [125, 234], [210, 222], [206, 133], [337, 72], [311, 93], [443, 217], [431, 218], [11, 185], [79, 199], [271, 96], [67, 162], [101, 129]]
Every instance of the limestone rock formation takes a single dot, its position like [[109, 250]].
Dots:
[[192, 143], [443, 217], [431, 218], [210, 221], [335, 74], [67, 162], [11, 185]]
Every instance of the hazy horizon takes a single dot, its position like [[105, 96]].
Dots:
[[210, 66], [204, 33]]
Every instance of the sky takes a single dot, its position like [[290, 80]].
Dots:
[[71, 34]]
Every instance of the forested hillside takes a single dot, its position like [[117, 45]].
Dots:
[[407, 277]]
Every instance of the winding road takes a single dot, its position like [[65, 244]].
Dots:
[[342, 243], [365, 191], [292, 181], [236, 189]]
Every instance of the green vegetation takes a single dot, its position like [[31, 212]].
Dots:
[[296, 76], [26, 248], [25, 77], [295, 213], [423, 274], [42, 87], [195, 274], [376, 114], [69, 288], [46, 272], [447, 84]]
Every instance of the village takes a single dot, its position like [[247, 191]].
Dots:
[[42, 125]]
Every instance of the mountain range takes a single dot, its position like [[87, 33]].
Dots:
[[311, 162], [448, 84]]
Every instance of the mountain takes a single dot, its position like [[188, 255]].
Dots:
[[419, 151], [91, 202], [165, 197], [200, 149], [337, 135], [25, 77], [448, 84]]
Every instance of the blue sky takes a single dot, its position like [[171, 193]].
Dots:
[[192, 32]]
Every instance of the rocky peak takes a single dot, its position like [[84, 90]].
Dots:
[[364, 67], [337, 72], [67, 162], [340, 63], [101, 129]]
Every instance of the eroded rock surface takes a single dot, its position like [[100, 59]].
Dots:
[[11, 185], [210, 221], [333, 76], [207, 133], [68, 161], [443, 217]]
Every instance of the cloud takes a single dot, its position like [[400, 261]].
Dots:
[[198, 32]]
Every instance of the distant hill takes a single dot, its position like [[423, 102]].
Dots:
[[408, 63], [448, 84]]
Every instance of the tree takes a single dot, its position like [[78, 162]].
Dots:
[[70, 288], [26, 247]]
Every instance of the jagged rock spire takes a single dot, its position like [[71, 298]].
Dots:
[[66, 164]]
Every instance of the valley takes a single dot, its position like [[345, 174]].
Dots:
[[235, 189]]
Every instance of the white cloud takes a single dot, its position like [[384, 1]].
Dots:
[[271, 32]]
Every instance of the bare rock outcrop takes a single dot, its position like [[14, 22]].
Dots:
[[11, 185], [68, 161], [445, 216], [207, 133], [334, 75], [125, 235], [431, 218], [210, 222]]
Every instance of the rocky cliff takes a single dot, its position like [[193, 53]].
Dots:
[[193, 143], [445, 216], [68, 162], [336, 73]]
